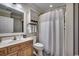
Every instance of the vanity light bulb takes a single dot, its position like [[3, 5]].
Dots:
[[50, 5]]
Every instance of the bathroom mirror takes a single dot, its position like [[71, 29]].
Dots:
[[11, 20]]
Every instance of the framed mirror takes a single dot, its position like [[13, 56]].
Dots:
[[11, 20]]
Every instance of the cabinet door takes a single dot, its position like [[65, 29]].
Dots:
[[13, 48], [3, 51], [28, 51], [13, 54], [25, 52]]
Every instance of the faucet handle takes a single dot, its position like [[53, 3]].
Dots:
[[14, 37]]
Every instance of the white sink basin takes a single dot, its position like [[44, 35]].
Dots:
[[7, 41]]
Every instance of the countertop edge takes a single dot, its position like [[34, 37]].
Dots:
[[3, 45]]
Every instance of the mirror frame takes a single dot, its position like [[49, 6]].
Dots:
[[10, 6]]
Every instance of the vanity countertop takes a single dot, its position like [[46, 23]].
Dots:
[[2, 45]]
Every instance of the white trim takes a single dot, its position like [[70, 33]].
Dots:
[[10, 34]]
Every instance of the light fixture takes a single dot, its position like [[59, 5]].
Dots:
[[50, 6], [14, 3], [17, 5]]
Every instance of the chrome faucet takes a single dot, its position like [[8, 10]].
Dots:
[[14, 37], [0, 40]]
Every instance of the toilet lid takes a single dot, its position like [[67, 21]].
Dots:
[[38, 45]]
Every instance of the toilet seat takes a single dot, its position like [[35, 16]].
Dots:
[[38, 46]]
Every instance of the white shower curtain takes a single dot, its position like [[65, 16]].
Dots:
[[51, 31], [44, 31]]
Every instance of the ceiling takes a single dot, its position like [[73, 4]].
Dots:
[[44, 7]]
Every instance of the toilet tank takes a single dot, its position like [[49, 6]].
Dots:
[[34, 39]]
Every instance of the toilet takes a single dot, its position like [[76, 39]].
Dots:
[[38, 46]]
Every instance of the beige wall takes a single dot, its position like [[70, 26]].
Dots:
[[69, 29]]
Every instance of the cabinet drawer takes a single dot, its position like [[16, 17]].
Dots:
[[13, 54], [25, 44], [29, 43], [3, 51], [13, 48]]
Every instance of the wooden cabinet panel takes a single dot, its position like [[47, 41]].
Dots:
[[29, 52], [13, 48], [25, 52], [23, 45], [26, 44], [3, 51], [26, 49], [29, 42]]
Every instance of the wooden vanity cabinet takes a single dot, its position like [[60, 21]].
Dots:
[[21, 49]]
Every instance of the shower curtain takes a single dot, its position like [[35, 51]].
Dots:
[[51, 32]]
